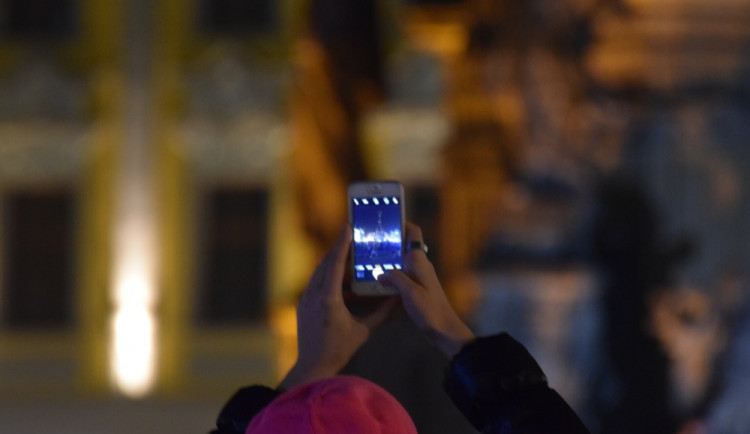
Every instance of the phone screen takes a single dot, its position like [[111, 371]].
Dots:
[[377, 235]]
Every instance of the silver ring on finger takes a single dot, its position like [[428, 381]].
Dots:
[[416, 245]]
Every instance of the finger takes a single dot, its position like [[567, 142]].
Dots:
[[421, 270], [416, 261], [334, 277], [317, 281], [399, 280], [413, 232], [315, 284], [381, 314]]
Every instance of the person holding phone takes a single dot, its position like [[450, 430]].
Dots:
[[493, 380]]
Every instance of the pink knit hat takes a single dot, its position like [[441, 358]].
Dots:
[[337, 405]]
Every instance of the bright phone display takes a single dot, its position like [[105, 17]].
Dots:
[[376, 222]]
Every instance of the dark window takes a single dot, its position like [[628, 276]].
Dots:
[[38, 260], [53, 20], [237, 17], [423, 208], [233, 282]]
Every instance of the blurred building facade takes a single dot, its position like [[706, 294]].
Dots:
[[171, 171]]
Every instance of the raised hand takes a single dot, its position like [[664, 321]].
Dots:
[[328, 334], [424, 299]]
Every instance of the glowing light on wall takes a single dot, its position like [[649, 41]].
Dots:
[[133, 321], [133, 343], [133, 350]]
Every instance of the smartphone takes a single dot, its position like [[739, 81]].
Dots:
[[376, 214]]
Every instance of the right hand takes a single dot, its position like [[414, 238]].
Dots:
[[424, 300]]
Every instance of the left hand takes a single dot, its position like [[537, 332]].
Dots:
[[328, 334]]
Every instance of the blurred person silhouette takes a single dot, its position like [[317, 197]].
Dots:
[[534, 278], [644, 322], [636, 267], [493, 380]]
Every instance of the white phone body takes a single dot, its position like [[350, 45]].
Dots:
[[376, 214]]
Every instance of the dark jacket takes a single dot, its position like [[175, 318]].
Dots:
[[494, 381]]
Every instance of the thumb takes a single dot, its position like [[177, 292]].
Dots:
[[400, 281]]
